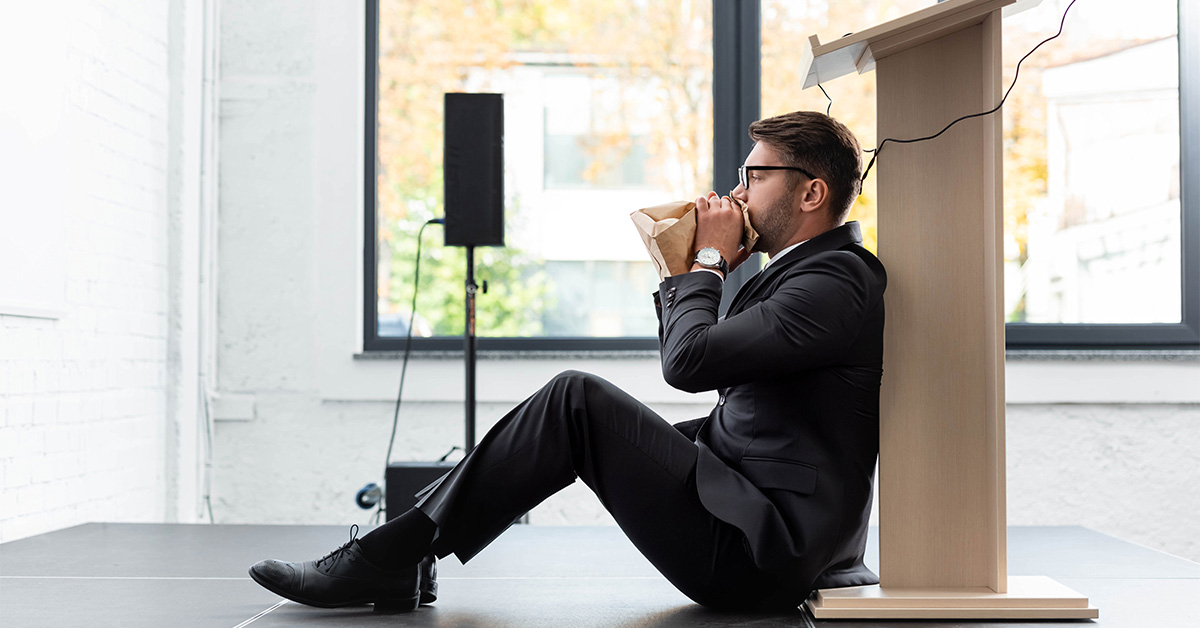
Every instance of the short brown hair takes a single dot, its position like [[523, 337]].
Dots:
[[821, 145]]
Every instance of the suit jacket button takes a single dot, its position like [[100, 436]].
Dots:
[[721, 401]]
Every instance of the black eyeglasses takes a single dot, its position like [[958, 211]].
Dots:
[[746, 181]]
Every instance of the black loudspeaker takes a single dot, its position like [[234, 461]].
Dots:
[[404, 480], [473, 164]]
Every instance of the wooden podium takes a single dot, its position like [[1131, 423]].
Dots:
[[940, 216]]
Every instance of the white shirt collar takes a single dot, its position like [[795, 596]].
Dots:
[[782, 253]]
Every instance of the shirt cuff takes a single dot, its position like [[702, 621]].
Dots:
[[713, 271]]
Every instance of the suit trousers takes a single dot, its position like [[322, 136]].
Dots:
[[641, 468]]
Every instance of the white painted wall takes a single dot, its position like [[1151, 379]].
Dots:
[[1128, 470], [83, 390], [99, 396]]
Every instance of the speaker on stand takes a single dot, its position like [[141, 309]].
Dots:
[[473, 175], [473, 164]]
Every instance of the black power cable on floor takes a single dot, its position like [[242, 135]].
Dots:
[[407, 348]]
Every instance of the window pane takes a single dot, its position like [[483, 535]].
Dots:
[[1091, 170], [608, 109], [1091, 148]]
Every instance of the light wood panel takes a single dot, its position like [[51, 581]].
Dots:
[[1027, 597], [943, 543], [937, 204], [991, 91], [857, 52]]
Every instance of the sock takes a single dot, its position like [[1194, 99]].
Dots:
[[401, 542]]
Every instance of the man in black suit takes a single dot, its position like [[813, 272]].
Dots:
[[752, 507]]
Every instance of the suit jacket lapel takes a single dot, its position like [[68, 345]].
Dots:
[[831, 240], [744, 290]]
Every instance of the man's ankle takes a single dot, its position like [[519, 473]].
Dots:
[[400, 543]]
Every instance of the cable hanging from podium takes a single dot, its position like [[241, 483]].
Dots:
[[1016, 74]]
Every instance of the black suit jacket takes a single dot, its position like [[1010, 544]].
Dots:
[[788, 453]]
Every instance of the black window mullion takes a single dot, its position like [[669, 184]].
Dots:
[[371, 339], [737, 96], [1189, 166]]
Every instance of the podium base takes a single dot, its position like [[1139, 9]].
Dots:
[[1028, 597]]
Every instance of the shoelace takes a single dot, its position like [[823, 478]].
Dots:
[[332, 556]]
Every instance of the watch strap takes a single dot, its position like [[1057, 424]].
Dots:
[[721, 265]]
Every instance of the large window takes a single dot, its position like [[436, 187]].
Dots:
[[1097, 205], [609, 107]]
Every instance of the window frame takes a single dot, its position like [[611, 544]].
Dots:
[[735, 105], [1186, 333], [736, 102]]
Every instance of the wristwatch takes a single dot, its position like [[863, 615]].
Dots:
[[709, 257]]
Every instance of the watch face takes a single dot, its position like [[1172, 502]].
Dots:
[[708, 256]]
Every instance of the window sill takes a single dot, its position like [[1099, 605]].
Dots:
[[511, 355], [1011, 355], [1032, 377], [1102, 355]]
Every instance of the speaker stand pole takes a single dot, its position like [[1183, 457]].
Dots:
[[469, 349]]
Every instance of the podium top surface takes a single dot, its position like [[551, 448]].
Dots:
[[857, 52]]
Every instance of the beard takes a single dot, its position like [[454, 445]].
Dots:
[[774, 224]]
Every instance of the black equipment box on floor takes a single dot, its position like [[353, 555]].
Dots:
[[405, 479]]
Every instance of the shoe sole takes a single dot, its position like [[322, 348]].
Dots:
[[427, 573], [428, 591], [399, 605]]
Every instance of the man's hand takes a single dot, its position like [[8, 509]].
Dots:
[[719, 224]]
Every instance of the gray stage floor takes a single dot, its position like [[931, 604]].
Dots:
[[184, 576]]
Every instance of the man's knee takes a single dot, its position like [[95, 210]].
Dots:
[[573, 379], [565, 388], [580, 390], [572, 374]]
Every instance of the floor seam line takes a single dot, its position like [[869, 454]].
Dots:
[[239, 579], [262, 613], [441, 578], [121, 578]]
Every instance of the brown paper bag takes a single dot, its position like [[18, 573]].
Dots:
[[669, 233]]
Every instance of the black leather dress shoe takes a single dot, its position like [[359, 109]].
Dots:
[[342, 578], [428, 577]]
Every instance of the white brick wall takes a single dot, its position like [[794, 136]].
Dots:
[[83, 397]]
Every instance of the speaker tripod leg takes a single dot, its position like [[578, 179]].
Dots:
[[469, 349]]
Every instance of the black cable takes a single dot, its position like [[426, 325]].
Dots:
[[974, 115], [830, 107], [407, 343], [207, 451], [407, 347]]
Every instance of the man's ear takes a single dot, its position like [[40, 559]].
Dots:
[[814, 196]]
